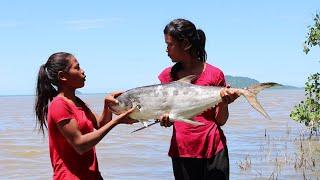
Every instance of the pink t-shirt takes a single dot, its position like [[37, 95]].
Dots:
[[66, 162], [198, 141]]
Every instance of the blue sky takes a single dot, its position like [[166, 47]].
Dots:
[[120, 43]]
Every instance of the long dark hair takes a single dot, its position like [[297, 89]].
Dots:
[[47, 85], [182, 29]]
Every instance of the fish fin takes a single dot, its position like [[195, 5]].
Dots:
[[189, 121], [145, 123], [188, 79], [144, 127], [259, 87], [251, 92]]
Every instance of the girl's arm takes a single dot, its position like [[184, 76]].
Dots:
[[105, 117], [222, 113], [84, 142]]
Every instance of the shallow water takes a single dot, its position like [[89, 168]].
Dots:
[[258, 148]]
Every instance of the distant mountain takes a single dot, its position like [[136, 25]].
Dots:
[[241, 82]]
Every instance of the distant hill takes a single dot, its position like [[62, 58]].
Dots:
[[241, 82]]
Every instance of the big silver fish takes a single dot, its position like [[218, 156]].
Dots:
[[180, 99]]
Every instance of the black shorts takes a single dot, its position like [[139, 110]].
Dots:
[[215, 168]]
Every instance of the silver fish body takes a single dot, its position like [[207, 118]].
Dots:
[[181, 100]]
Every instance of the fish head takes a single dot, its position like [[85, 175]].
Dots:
[[122, 106]]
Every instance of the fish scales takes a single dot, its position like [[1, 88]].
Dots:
[[180, 99]]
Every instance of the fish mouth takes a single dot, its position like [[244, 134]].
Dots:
[[114, 111]]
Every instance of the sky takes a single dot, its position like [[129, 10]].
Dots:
[[120, 43]]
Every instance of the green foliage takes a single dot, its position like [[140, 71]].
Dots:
[[313, 36], [308, 111]]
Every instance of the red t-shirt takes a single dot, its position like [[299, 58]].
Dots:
[[66, 162], [198, 141]]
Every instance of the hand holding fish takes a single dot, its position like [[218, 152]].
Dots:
[[123, 117], [110, 99], [165, 120], [228, 95]]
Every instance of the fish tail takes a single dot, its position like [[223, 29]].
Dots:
[[250, 94]]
